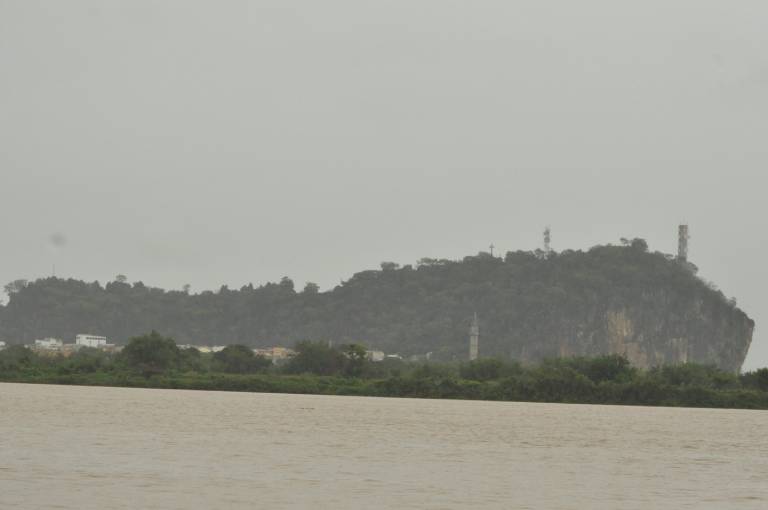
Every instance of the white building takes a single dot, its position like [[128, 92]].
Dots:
[[276, 354], [207, 349], [2, 346], [49, 343], [91, 341], [375, 356]]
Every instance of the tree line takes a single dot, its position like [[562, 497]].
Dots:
[[154, 360]]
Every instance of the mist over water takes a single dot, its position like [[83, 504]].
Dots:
[[92, 448]]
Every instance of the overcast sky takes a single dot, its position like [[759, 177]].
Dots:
[[232, 142]]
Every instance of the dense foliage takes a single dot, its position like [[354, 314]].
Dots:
[[155, 361], [527, 302]]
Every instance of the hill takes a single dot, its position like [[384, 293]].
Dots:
[[607, 300]]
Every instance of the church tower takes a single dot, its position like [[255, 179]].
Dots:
[[474, 338]]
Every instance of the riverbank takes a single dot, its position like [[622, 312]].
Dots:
[[153, 361], [644, 393]]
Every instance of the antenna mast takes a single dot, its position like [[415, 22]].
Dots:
[[682, 243]]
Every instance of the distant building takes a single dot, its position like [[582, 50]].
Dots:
[[49, 343], [2, 346], [375, 356], [67, 350], [419, 358], [91, 341], [279, 353], [276, 354], [204, 349]]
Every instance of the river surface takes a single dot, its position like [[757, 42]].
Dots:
[[65, 447]]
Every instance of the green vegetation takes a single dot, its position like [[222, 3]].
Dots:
[[154, 361], [532, 306], [234, 359], [151, 354]]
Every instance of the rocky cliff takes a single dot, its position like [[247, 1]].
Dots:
[[652, 334]]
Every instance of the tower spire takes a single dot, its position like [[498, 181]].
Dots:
[[474, 338]]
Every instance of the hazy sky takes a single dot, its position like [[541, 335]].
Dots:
[[234, 142]]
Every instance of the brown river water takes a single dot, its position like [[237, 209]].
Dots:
[[117, 448]]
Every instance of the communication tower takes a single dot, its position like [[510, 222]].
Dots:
[[682, 243]]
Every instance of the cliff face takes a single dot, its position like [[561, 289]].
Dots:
[[650, 337], [698, 336], [620, 300]]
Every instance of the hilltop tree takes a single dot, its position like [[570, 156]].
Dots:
[[15, 286], [389, 266], [286, 283], [311, 288]]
